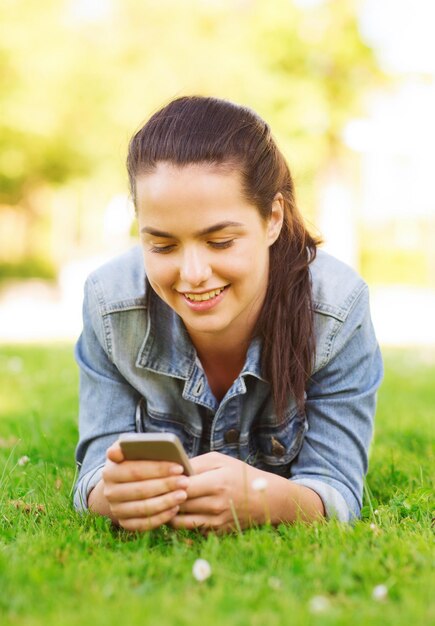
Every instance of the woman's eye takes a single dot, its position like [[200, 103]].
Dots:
[[221, 244], [162, 249]]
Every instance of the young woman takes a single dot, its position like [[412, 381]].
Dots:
[[226, 328]]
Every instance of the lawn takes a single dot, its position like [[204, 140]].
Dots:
[[57, 567]]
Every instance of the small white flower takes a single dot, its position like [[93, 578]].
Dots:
[[319, 604], [275, 583], [380, 592], [259, 484], [23, 460], [201, 570], [373, 526], [376, 512]]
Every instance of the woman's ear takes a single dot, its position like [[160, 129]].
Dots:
[[276, 218]]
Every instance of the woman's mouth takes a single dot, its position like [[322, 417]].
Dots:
[[201, 297], [206, 300]]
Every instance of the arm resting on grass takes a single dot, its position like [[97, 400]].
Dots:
[[340, 407], [107, 402]]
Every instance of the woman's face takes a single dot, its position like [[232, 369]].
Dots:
[[206, 249]]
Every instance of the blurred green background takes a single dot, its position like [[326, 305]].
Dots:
[[78, 77]]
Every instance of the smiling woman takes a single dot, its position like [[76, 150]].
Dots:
[[213, 268], [228, 328]]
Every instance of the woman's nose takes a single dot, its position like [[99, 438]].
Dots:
[[195, 268]]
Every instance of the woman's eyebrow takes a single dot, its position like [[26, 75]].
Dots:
[[156, 233], [199, 233]]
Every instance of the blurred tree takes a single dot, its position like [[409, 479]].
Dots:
[[77, 77], [319, 71]]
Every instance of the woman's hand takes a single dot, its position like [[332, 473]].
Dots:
[[142, 495], [224, 495]]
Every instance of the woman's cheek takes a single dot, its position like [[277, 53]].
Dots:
[[160, 271]]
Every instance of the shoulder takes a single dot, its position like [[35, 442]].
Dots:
[[335, 286], [120, 282], [114, 303], [340, 306]]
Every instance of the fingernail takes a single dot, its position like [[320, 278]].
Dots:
[[177, 469], [183, 482]]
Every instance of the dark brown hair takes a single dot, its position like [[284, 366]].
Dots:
[[198, 129]]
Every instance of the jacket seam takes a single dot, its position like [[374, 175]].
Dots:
[[354, 296], [352, 303], [105, 321], [351, 300], [123, 306], [340, 313], [329, 341]]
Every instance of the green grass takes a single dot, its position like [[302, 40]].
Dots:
[[57, 567]]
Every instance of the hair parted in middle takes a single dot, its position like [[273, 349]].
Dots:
[[205, 130]]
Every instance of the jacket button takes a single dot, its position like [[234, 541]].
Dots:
[[232, 435], [277, 447]]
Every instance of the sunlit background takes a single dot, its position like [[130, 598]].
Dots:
[[347, 86]]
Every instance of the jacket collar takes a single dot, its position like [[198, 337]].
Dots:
[[167, 348]]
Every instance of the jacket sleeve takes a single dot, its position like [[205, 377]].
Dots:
[[107, 403], [340, 407]]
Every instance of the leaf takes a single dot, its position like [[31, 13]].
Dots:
[[28, 508]]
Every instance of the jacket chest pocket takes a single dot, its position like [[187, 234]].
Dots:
[[274, 447], [152, 420]]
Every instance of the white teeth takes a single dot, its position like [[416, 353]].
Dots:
[[201, 297]]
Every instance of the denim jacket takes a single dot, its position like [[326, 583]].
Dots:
[[139, 372]]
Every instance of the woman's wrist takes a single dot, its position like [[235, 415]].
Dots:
[[98, 503], [290, 502]]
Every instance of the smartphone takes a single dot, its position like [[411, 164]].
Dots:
[[155, 447]]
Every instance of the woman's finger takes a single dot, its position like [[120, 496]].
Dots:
[[131, 471], [203, 523], [208, 505], [141, 490], [149, 507], [205, 484], [209, 461], [142, 524], [114, 453]]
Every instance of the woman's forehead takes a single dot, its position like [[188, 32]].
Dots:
[[192, 198], [189, 184]]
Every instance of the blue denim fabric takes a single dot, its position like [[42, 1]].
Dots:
[[139, 372]]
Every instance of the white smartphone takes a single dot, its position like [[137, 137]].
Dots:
[[155, 447]]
